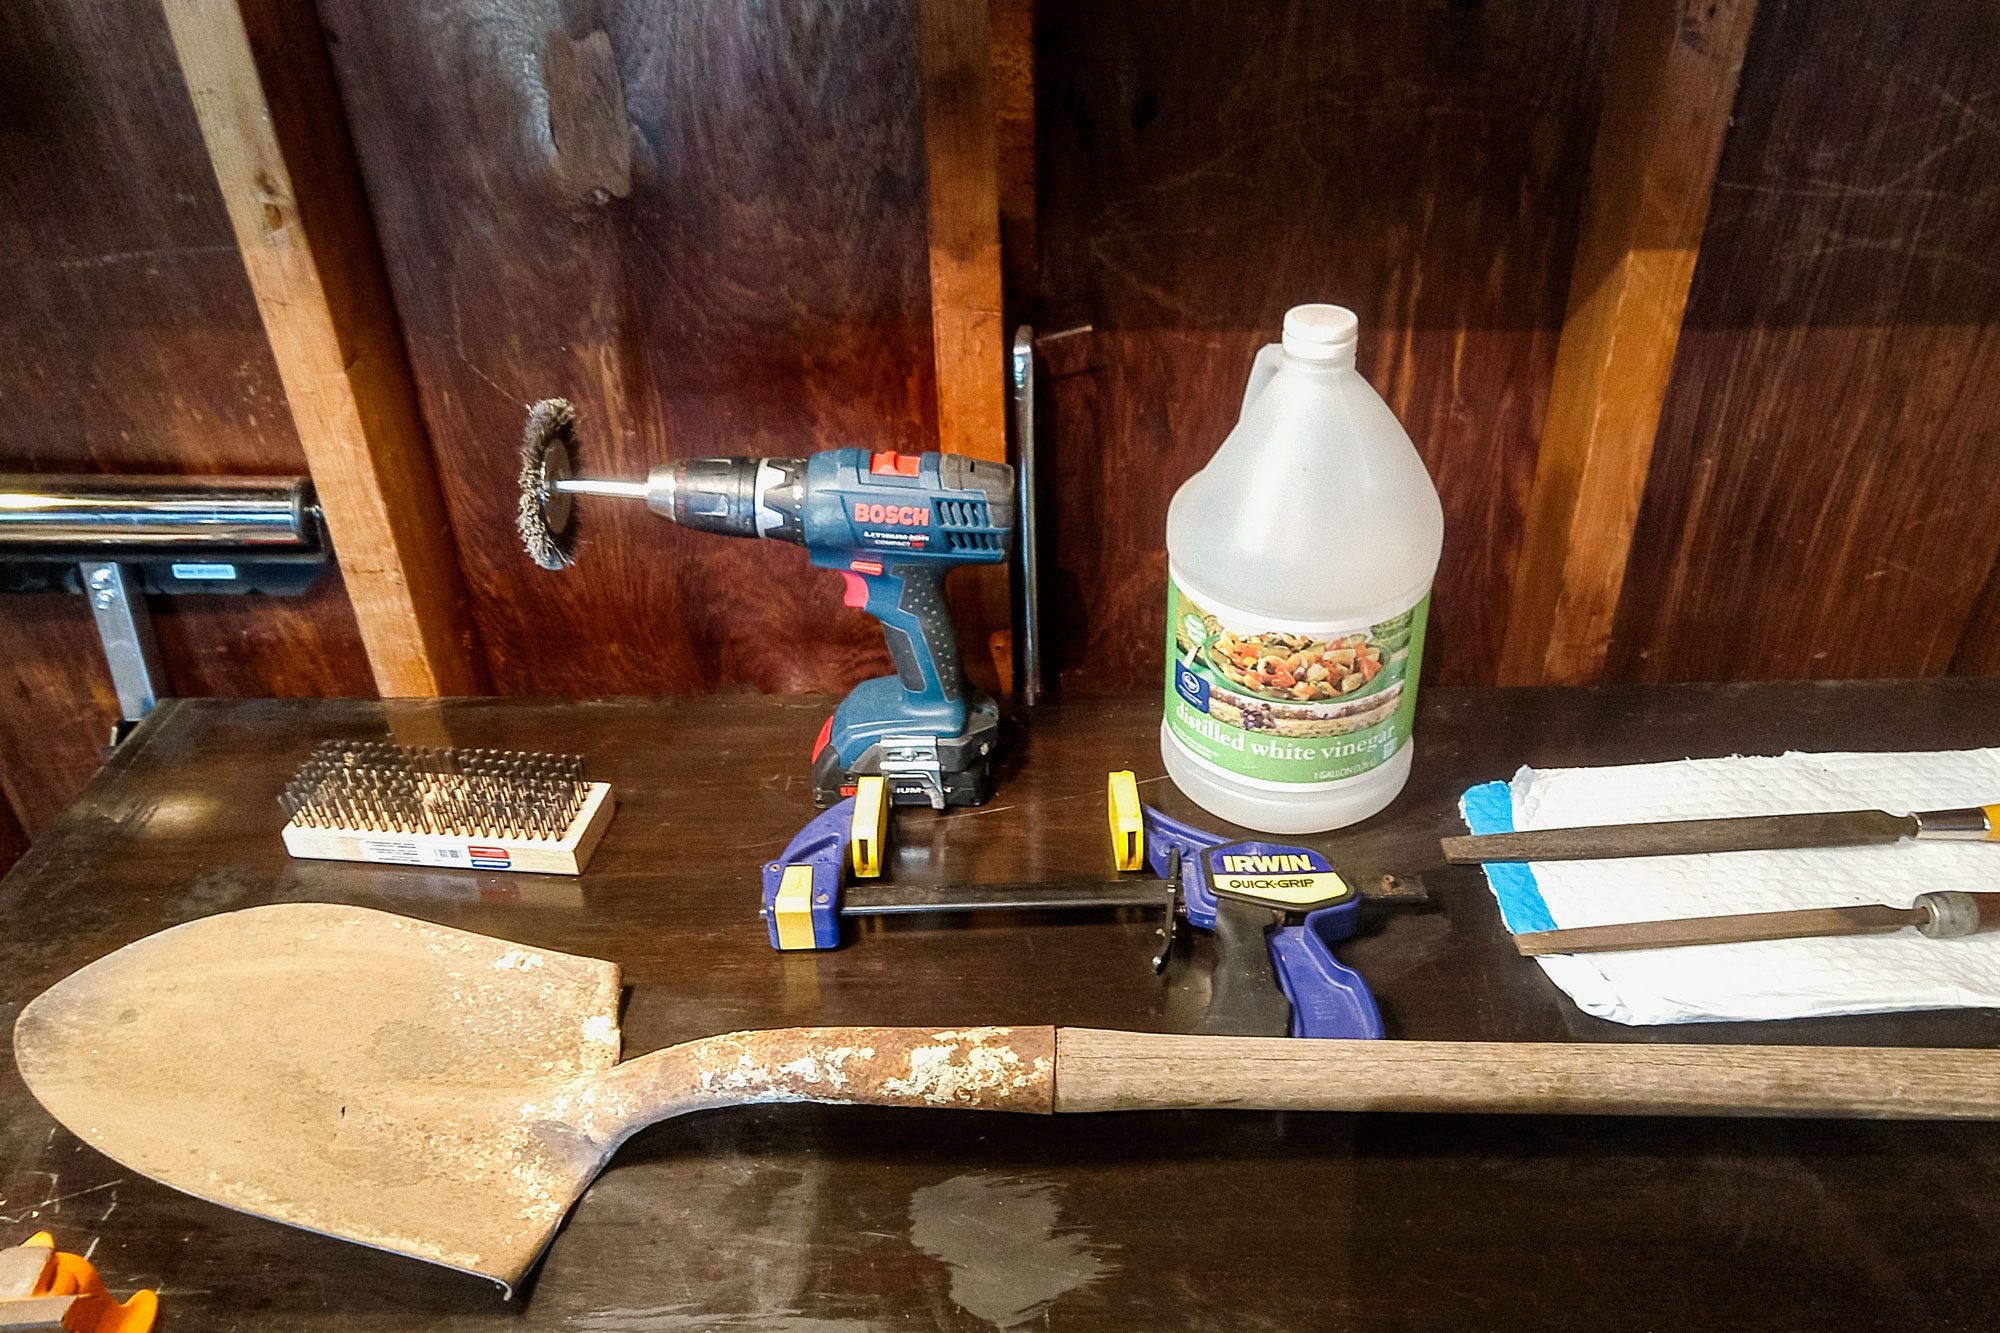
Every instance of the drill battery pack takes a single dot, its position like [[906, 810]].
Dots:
[[936, 771]]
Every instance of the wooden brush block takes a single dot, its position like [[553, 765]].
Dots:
[[566, 855]]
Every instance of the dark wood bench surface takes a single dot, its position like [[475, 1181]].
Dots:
[[838, 1220]]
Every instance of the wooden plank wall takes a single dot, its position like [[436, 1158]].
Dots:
[[1822, 500], [129, 343], [1203, 167], [702, 222], [707, 223]]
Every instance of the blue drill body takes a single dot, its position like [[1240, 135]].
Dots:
[[892, 525]]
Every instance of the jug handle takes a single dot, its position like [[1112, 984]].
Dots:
[[1261, 370]]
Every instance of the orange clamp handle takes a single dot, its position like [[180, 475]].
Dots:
[[93, 1310]]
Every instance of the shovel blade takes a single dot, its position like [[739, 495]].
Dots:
[[352, 1072]]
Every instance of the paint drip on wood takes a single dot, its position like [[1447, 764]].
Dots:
[[1003, 1238]]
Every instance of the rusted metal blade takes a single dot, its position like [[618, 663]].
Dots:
[[424, 1090], [358, 1074], [1740, 928], [1749, 833]]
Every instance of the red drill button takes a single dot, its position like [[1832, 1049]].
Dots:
[[856, 593], [894, 465]]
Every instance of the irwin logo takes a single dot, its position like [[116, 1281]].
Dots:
[[1252, 865], [895, 516]]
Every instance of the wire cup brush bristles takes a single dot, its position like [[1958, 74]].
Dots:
[[545, 516]]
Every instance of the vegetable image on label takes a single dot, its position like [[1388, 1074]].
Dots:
[[1293, 705]]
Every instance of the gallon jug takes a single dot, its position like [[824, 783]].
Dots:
[[1299, 566]]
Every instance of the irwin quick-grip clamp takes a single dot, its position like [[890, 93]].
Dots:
[[1276, 910]]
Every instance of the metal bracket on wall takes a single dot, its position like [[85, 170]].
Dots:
[[126, 629], [116, 539]]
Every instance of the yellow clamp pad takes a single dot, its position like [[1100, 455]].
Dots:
[[1128, 821], [793, 907], [37, 1271], [869, 833], [1992, 822]]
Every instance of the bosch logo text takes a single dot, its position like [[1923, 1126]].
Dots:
[[895, 516]]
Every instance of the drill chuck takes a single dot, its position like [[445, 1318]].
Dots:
[[737, 497]]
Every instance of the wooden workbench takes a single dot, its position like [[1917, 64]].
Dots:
[[838, 1220]]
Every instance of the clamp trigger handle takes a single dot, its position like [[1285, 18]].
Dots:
[[1245, 999]]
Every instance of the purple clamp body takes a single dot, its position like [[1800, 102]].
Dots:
[[821, 844], [1328, 999]]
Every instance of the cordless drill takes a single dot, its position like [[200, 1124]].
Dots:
[[892, 525]]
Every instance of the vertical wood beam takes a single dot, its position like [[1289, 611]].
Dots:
[[961, 157], [1669, 89], [277, 138], [1013, 62]]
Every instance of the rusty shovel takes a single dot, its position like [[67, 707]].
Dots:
[[449, 1096]]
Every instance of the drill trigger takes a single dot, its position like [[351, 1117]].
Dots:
[[855, 590]]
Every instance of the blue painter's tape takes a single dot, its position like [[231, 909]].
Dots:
[[1489, 808]]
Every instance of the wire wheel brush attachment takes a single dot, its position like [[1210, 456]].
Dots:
[[545, 516]]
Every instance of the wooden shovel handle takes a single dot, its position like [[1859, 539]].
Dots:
[[1040, 1069], [1132, 1071]]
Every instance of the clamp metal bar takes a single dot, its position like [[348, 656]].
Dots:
[[1060, 896]]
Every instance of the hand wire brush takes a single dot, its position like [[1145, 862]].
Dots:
[[476, 808]]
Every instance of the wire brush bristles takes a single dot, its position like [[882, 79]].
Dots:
[[544, 516]]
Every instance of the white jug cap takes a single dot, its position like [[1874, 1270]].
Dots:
[[1321, 332]]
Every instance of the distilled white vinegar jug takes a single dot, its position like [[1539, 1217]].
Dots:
[[1299, 567]]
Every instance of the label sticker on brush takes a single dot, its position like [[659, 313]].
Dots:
[[1290, 706], [403, 852], [393, 853]]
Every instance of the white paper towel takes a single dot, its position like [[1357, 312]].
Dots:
[[1777, 979]]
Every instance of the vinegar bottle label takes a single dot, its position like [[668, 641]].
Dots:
[[1298, 705]]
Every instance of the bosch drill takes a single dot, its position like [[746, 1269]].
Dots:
[[892, 525]]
